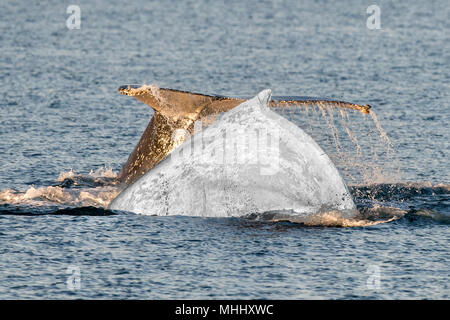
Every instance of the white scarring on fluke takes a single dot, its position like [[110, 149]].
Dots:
[[251, 160]]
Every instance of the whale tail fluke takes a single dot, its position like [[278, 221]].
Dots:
[[175, 109], [178, 104], [289, 101]]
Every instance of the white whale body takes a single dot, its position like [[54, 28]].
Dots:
[[250, 160]]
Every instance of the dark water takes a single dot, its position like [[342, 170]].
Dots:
[[60, 111]]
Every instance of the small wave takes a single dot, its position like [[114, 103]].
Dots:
[[422, 201], [95, 189], [31, 195], [396, 190], [97, 197], [102, 172], [408, 196], [365, 217], [101, 177], [427, 214], [336, 219], [361, 218]]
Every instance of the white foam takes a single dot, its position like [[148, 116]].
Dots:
[[99, 188], [102, 172], [41, 196]]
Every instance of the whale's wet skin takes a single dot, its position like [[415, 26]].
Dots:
[[67, 143]]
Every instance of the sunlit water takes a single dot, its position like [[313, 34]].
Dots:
[[65, 133]]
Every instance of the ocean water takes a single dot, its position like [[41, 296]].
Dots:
[[65, 132]]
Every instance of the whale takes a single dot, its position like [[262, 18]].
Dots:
[[247, 160], [176, 109]]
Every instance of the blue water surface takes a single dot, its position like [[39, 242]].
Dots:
[[60, 110]]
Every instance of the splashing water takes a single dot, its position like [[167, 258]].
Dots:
[[95, 189], [365, 160]]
